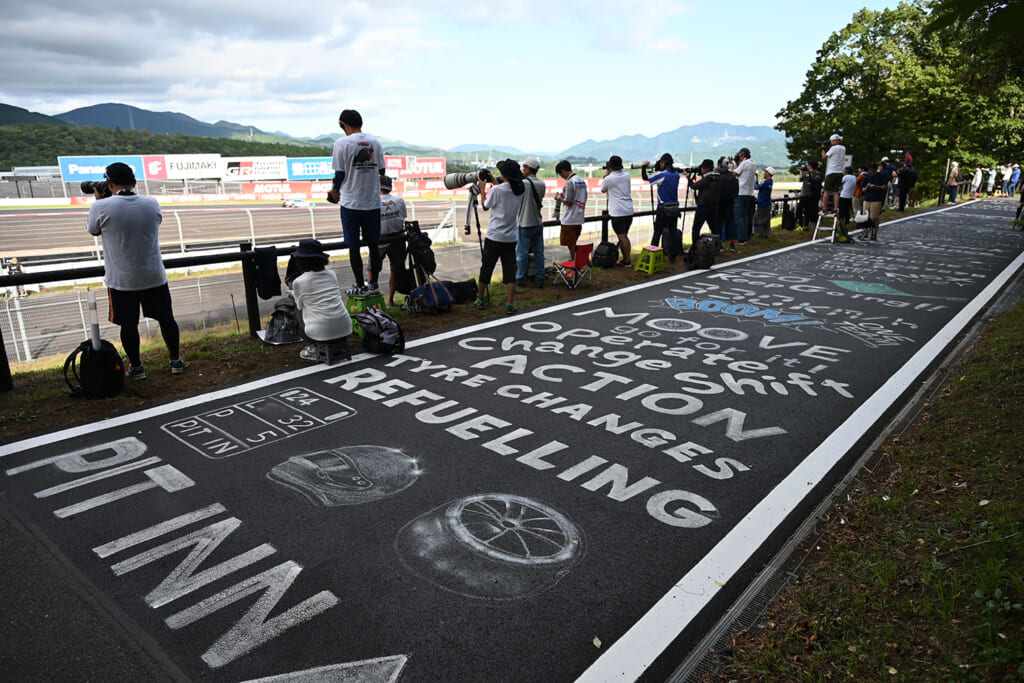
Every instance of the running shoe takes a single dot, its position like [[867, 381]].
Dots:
[[178, 366], [309, 353], [135, 372]]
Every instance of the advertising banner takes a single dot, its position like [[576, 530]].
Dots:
[[310, 168], [254, 168], [182, 166], [77, 169]]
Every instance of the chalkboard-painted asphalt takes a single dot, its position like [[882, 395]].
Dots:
[[576, 493]]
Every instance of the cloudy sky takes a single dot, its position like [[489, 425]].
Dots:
[[537, 75]]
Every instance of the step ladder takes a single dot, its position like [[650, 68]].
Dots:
[[820, 227], [652, 260]]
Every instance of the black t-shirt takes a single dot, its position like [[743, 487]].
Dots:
[[811, 186]]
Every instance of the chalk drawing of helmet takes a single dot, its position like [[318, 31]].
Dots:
[[494, 546], [347, 476]]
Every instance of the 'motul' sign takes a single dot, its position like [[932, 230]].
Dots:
[[574, 493]]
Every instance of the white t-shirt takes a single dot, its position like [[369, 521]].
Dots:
[[392, 214], [616, 185], [361, 157], [324, 316], [503, 204], [835, 159], [575, 191], [849, 185], [745, 174], [130, 227]]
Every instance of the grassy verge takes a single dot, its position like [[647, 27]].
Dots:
[[919, 574]]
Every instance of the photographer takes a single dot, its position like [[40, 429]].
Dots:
[[531, 224], [708, 192], [135, 276], [728, 191], [573, 198], [834, 155], [616, 184], [744, 204], [392, 222], [503, 202], [810, 195], [908, 176], [667, 213], [358, 161]]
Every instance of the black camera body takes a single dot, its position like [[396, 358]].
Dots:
[[92, 186]]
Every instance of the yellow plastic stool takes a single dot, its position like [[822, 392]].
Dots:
[[358, 304], [652, 260]]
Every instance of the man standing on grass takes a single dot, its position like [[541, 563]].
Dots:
[[358, 163], [574, 204], [531, 225], [135, 277]]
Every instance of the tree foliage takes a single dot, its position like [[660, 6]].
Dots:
[[41, 144], [885, 83]]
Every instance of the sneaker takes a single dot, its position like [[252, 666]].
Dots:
[[480, 303], [510, 309], [358, 290], [372, 288], [178, 366], [732, 245], [309, 353], [623, 263], [135, 372]]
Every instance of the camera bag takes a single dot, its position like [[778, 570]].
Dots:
[[430, 297], [604, 255], [97, 373], [702, 254], [381, 334]]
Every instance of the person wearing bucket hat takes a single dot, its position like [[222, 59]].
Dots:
[[318, 302], [135, 277]]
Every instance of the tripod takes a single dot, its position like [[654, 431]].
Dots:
[[472, 207]]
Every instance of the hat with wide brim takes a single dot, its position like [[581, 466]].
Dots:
[[311, 248]]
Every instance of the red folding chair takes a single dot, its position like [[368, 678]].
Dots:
[[573, 273]]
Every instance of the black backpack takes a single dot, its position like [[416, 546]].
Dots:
[[702, 255], [283, 327], [418, 245], [604, 255], [381, 334], [97, 374], [788, 219]]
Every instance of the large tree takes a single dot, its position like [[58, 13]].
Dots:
[[886, 83]]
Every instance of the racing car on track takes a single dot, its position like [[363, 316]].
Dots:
[[298, 203]]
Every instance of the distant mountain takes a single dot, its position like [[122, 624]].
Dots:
[[709, 139], [10, 114], [127, 117], [488, 149]]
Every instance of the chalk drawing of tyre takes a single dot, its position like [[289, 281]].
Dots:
[[347, 476], [495, 546]]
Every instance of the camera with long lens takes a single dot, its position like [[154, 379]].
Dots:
[[92, 186], [684, 170], [454, 181]]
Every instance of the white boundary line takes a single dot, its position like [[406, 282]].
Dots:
[[637, 649]]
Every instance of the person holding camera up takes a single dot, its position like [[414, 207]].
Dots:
[[728, 191], [531, 225], [667, 214], [810, 195], [503, 202], [135, 275], [708, 192], [744, 203], [573, 198], [834, 155], [763, 213], [616, 184], [358, 163], [392, 222]]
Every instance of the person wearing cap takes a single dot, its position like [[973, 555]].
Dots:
[[835, 161], [763, 212], [874, 197], [358, 163], [743, 205], [531, 225], [135, 277], [810, 195], [318, 302], [392, 222], [573, 199], [666, 216], [846, 203], [617, 184], [976, 181], [708, 192], [502, 201]]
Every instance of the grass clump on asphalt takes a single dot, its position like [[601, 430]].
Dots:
[[919, 574]]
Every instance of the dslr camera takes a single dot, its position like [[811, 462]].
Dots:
[[93, 186], [454, 181]]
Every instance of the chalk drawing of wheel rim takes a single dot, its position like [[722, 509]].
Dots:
[[494, 546]]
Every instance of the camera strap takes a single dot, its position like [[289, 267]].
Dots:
[[536, 198]]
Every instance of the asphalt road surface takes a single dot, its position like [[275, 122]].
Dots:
[[576, 493]]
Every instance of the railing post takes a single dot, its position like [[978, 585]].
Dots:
[[312, 223], [252, 305], [181, 235]]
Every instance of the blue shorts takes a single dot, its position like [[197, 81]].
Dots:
[[354, 221]]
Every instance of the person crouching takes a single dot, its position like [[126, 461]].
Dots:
[[318, 301]]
